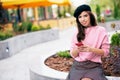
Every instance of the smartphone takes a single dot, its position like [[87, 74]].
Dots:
[[79, 44]]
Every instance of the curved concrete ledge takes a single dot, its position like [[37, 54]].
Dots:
[[39, 71], [15, 44]]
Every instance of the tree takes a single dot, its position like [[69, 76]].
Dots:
[[115, 10], [98, 13]]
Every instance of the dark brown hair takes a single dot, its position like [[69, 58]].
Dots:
[[81, 29]]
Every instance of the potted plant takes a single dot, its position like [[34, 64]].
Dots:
[[115, 43], [111, 64]]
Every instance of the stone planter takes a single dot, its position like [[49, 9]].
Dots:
[[15, 44], [39, 71]]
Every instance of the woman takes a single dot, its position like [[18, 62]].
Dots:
[[89, 44]]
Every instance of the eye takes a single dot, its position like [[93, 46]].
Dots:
[[79, 16], [85, 15]]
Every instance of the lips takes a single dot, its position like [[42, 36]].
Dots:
[[83, 22]]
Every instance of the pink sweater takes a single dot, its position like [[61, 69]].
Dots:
[[96, 37]]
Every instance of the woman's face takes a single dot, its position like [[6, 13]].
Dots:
[[84, 19]]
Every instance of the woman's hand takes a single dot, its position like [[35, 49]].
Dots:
[[75, 51], [84, 48]]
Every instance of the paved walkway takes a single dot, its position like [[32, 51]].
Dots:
[[17, 66]]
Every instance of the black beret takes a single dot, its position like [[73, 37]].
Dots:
[[80, 9]]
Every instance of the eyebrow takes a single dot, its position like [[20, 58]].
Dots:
[[83, 15]]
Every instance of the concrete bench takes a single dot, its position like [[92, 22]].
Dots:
[[39, 71], [11, 46]]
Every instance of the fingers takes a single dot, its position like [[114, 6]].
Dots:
[[84, 49]]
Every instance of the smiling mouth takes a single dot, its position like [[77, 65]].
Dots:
[[84, 23]]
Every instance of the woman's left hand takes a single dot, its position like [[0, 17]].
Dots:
[[84, 48]]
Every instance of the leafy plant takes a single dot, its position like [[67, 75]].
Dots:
[[44, 28], [115, 10], [5, 35], [48, 26], [16, 28], [111, 63], [41, 27], [35, 28], [98, 13], [115, 39], [22, 27], [64, 54], [29, 26], [115, 44]]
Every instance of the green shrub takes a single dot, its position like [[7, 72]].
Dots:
[[9, 34], [2, 36], [41, 27], [116, 10], [115, 39], [44, 28], [98, 13], [15, 27], [35, 28], [5, 35], [1, 28], [48, 27], [23, 27], [115, 43], [29, 26], [65, 54]]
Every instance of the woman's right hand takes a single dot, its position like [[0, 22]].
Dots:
[[75, 51], [84, 48]]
